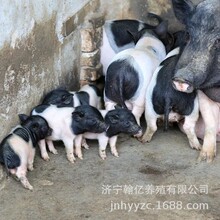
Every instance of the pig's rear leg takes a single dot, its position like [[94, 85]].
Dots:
[[21, 175], [151, 129], [51, 147], [30, 165], [84, 143]]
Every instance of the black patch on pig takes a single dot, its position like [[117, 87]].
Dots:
[[120, 30], [83, 97], [7, 155], [121, 121], [165, 98], [59, 97], [23, 133], [87, 118], [121, 81], [40, 108]]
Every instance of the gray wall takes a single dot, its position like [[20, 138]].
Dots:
[[39, 51]]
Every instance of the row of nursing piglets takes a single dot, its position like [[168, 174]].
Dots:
[[70, 117], [129, 80]]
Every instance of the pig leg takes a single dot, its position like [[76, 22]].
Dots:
[[84, 144], [103, 141], [189, 126], [137, 112], [78, 144], [51, 147], [31, 160], [43, 150], [68, 142], [209, 111], [21, 175], [112, 143]]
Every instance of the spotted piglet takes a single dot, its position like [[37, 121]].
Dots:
[[17, 150], [117, 121], [67, 124]]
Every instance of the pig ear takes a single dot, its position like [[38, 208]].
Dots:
[[23, 117], [183, 9], [162, 29], [114, 118]]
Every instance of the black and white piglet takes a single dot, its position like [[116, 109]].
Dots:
[[116, 37], [87, 95], [162, 100], [67, 123], [130, 73], [117, 121], [17, 150]]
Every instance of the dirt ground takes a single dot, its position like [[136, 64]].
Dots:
[[160, 180]]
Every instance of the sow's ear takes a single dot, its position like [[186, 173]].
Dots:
[[183, 9], [23, 117]]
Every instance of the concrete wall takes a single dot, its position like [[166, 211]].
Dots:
[[39, 50]]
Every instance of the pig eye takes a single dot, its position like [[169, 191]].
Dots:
[[63, 98], [93, 121], [127, 124], [35, 126]]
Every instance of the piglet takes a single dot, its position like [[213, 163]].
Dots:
[[162, 100], [130, 72], [117, 121], [67, 124], [17, 150], [87, 95]]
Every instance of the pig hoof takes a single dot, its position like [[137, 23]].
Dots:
[[197, 147], [102, 154], [115, 153], [54, 151], [208, 156], [144, 139], [80, 157], [31, 168], [46, 158], [86, 146], [71, 158]]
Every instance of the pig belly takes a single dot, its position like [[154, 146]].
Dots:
[[93, 136]]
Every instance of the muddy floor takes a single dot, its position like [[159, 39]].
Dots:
[[160, 180]]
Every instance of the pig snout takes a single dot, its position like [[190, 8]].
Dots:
[[183, 81], [137, 131]]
